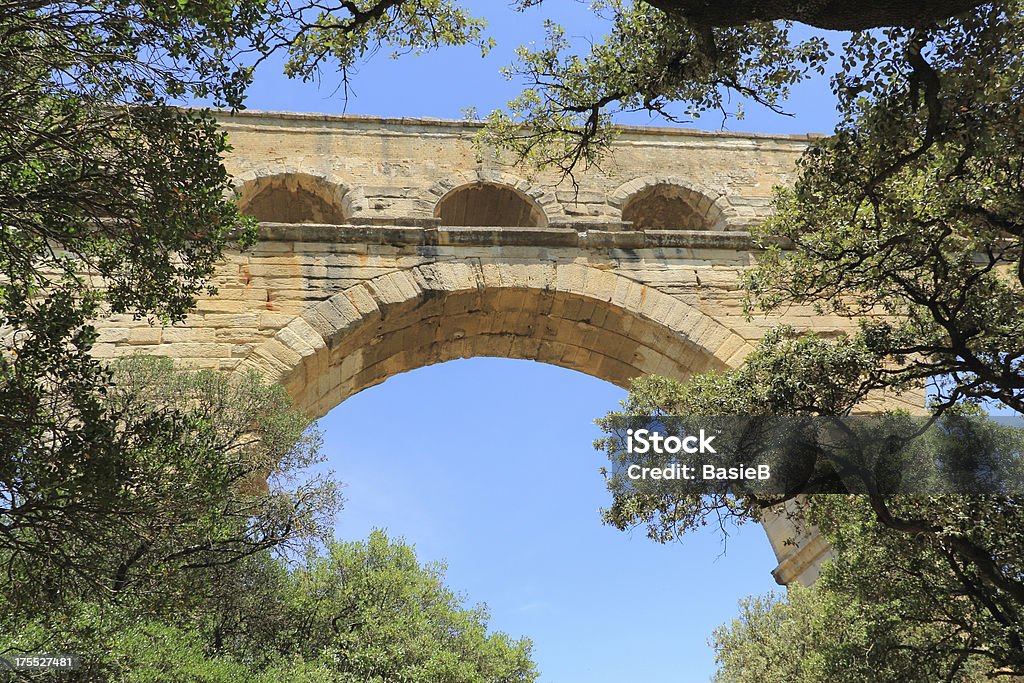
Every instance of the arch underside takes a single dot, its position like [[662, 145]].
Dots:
[[293, 198], [550, 327], [572, 316], [489, 204], [671, 207]]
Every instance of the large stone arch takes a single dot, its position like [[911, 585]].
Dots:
[[543, 197], [571, 315], [711, 205]]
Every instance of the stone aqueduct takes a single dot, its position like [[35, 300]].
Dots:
[[388, 245]]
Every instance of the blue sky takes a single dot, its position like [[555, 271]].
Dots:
[[488, 463], [444, 83]]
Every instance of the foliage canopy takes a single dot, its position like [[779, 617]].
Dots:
[[351, 612]]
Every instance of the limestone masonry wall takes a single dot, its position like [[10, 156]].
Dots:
[[389, 244], [386, 180]]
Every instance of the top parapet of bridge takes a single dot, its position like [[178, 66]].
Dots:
[[361, 170], [469, 126]]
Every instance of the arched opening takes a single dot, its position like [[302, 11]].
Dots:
[[570, 315], [489, 204], [293, 198], [666, 206]]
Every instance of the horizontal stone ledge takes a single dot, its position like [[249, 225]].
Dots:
[[646, 239], [583, 224], [262, 120], [406, 222], [559, 235], [363, 234], [554, 236]]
